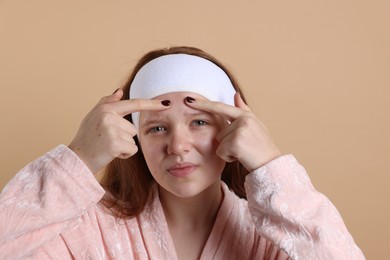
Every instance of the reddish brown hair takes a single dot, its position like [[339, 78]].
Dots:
[[128, 182]]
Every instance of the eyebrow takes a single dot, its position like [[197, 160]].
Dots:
[[158, 117]]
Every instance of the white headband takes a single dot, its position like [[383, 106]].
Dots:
[[181, 72]]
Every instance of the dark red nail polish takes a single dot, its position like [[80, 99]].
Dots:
[[166, 103], [190, 99]]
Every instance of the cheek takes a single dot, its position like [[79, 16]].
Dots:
[[207, 143], [207, 147], [152, 152]]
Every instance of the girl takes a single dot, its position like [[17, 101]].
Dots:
[[191, 174]]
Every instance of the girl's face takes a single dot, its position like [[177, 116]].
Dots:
[[179, 145]]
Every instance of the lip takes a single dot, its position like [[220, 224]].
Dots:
[[182, 169]]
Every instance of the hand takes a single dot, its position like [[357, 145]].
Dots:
[[245, 138], [104, 134]]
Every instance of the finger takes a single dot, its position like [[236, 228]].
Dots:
[[124, 126], [130, 128], [226, 137], [231, 128], [127, 138], [109, 121], [224, 152], [116, 96], [243, 126], [123, 133], [229, 112], [125, 107], [238, 102], [130, 151]]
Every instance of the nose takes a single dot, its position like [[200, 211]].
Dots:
[[179, 142]]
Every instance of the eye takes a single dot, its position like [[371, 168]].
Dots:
[[157, 129], [199, 123]]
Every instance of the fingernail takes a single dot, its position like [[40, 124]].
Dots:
[[115, 91], [166, 103], [190, 99]]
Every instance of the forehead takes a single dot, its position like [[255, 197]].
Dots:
[[179, 95], [177, 105]]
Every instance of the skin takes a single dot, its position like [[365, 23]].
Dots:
[[104, 134], [246, 139], [190, 195], [181, 141], [197, 133]]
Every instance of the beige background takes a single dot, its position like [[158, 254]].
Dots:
[[316, 72]]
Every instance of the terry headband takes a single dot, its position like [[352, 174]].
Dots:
[[181, 72]]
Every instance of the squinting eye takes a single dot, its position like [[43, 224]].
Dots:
[[199, 123], [156, 129]]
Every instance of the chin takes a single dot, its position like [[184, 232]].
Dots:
[[191, 190]]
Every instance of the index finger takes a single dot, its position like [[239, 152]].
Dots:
[[125, 107], [214, 107]]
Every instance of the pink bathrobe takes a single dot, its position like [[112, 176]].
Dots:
[[51, 210]]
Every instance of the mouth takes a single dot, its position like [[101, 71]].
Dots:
[[182, 169]]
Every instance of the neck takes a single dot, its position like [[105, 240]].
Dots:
[[198, 212]]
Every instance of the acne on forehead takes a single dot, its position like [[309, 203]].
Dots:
[[180, 95], [161, 115], [178, 106]]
